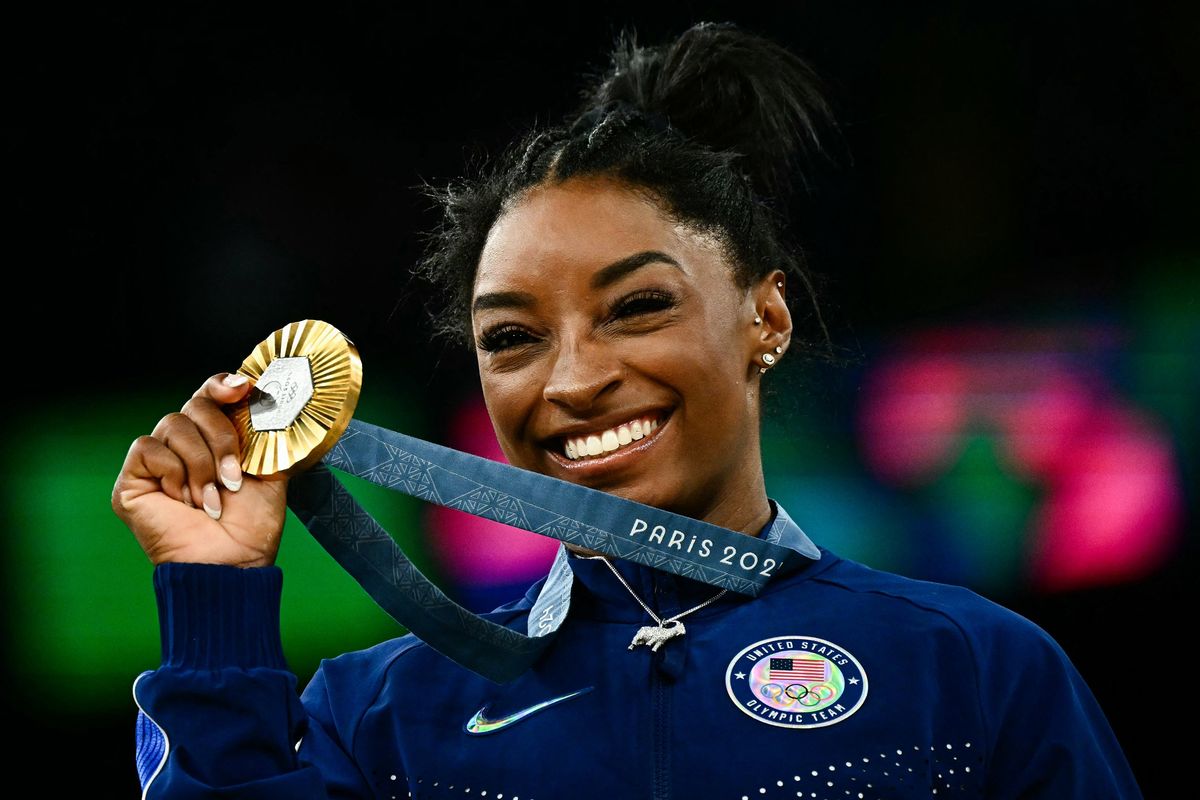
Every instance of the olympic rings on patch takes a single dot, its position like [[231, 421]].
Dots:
[[789, 690], [807, 695], [771, 691], [817, 693], [778, 694]]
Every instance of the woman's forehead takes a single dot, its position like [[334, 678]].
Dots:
[[582, 227]]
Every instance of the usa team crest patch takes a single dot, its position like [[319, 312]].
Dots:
[[796, 682]]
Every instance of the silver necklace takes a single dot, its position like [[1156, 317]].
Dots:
[[668, 628]]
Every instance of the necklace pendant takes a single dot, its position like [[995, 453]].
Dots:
[[656, 635]]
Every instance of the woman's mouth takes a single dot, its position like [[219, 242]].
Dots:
[[598, 444]]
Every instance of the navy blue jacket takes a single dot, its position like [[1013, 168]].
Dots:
[[838, 681]]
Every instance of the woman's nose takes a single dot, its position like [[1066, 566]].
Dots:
[[580, 376]]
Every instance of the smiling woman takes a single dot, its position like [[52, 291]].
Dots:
[[642, 332], [623, 279]]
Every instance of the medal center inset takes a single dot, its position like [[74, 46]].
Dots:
[[281, 393]]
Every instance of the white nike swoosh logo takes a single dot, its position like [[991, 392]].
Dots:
[[478, 724]]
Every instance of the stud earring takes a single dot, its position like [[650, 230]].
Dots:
[[757, 319], [767, 359], [779, 350], [779, 284]]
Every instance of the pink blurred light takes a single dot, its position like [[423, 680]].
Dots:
[[911, 415], [476, 550], [1041, 424], [1112, 505], [1113, 509]]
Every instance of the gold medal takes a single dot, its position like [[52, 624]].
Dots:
[[306, 379]]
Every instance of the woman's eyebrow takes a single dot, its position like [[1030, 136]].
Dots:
[[503, 300], [619, 269], [604, 277]]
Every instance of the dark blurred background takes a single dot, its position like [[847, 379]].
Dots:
[[1012, 265]]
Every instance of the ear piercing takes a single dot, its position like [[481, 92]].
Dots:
[[769, 360]]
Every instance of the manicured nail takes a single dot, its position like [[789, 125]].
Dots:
[[187, 496], [233, 379], [212, 501], [231, 473]]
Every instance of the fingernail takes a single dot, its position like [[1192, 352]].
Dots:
[[231, 473], [233, 379], [187, 496], [212, 501]]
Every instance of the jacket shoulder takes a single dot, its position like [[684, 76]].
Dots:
[[915, 601]]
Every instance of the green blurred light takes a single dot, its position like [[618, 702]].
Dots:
[[810, 465], [1165, 367], [988, 510]]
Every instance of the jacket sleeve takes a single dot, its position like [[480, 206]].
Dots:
[[1050, 739], [221, 716]]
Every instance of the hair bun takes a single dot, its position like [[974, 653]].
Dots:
[[729, 89]]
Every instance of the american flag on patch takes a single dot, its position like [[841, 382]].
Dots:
[[806, 670]]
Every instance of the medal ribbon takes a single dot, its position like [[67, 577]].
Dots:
[[548, 506]]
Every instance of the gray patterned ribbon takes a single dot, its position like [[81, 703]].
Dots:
[[565, 511]]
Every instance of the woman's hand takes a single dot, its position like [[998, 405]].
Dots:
[[184, 496]]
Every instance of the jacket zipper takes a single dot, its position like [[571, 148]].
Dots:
[[660, 704], [662, 787]]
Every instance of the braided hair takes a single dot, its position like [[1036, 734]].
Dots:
[[712, 127]]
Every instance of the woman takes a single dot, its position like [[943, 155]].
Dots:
[[624, 280]]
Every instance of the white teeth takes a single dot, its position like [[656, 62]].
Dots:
[[610, 440]]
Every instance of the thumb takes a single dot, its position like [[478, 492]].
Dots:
[[224, 388]]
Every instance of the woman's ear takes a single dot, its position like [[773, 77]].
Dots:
[[772, 324]]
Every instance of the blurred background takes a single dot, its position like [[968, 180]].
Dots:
[[1011, 259]]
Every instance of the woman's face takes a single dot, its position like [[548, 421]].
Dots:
[[616, 351]]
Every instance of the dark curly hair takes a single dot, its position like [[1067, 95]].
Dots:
[[716, 127]]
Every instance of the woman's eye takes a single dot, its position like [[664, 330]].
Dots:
[[503, 338], [643, 303]]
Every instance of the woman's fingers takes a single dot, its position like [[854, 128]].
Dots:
[[222, 389], [218, 431], [206, 442], [150, 466], [180, 434]]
